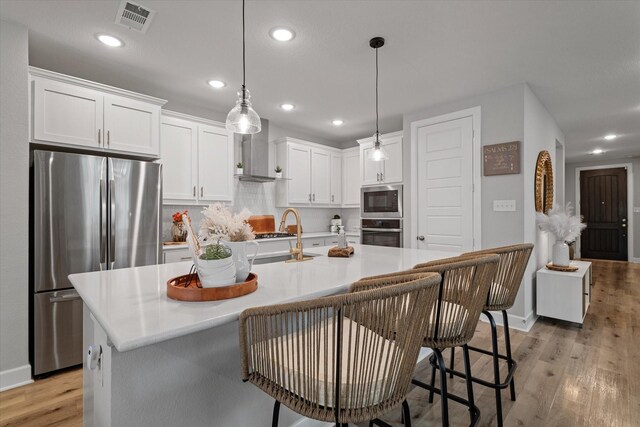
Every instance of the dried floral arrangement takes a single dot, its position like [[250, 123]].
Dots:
[[218, 222], [561, 223], [177, 217]]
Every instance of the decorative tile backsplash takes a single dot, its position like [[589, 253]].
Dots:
[[260, 199]]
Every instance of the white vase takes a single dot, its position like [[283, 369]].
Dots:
[[214, 273], [239, 254], [560, 254]]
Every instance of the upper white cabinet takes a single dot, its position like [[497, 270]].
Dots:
[[351, 177], [336, 178], [312, 174], [385, 172], [70, 111], [197, 157]]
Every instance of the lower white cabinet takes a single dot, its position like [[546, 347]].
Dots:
[[313, 242], [197, 157], [564, 295], [176, 255]]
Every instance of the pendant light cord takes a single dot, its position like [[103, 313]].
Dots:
[[377, 130], [243, 53]]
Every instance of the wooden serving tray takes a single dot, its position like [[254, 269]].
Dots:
[[568, 269], [177, 291]]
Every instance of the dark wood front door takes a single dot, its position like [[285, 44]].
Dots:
[[603, 204]]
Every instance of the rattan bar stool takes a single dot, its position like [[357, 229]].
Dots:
[[502, 294], [452, 321], [345, 358]]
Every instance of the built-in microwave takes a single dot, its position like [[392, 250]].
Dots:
[[382, 201]]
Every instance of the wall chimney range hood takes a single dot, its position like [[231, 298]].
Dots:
[[255, 154]]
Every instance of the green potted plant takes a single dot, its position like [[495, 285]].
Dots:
[[278, 171], [239, 168], [216, 266]]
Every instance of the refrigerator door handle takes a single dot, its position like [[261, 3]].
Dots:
[[103, 224], [66, 297], [112, 217]]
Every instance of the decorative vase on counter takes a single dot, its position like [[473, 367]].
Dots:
[[178, 232], [216, 266], [560, 254], [242, 262]]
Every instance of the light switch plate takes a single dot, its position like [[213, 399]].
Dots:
[[636, 210], [504, 205]]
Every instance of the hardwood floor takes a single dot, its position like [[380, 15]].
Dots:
[[566, 376]]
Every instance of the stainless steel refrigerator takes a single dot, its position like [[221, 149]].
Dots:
[[88, 213]]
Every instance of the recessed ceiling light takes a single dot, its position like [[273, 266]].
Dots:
[[337, 122], [110, 41], [597, 151], [610, 137], [282, 34], [217, 84], [287, 107]]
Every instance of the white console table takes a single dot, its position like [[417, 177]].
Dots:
[[564, 295]]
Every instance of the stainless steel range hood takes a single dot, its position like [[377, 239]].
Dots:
[[255, 154]]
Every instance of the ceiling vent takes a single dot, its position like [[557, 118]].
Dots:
[[134, 16]]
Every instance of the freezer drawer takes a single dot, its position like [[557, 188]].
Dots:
[[57, 330]]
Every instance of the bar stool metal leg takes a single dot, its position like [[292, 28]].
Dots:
[[507, 343], [444, 401], [467, 371], [496, 366], [433, 378], [276, 414], [452, 361], [406, 414]]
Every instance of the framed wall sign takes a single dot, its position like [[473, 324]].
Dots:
[[501, 159]]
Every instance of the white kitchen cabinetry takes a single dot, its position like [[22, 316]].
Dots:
[[351, 177], [176, 255], [384, 172], [564, 295], [308, 170], [336, 179], [74, 112], [197, 155]]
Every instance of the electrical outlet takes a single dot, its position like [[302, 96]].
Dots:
[[504, 205], [636, 210]]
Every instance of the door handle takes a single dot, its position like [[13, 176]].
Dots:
[[378, 177], [332, 198], [108, 138], [112, 214], [201, 191], [64, 298], [314, 197], [99, 137], [309, 196], [421, 238], [194, 191], [381, 177], [103, 222]]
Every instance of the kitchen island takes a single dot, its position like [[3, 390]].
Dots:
[[172, 363]]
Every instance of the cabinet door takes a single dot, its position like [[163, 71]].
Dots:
[[215, 164], [370, 170], [299, 173], [179, 153], [320, 177], [351, 179], [67, 114], [176, 255], [132, 126], [336, 179], [392, 169]]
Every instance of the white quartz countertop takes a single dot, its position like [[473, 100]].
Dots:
[[132, 306], [276, 239]]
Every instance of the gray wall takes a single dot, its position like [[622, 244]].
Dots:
[[570, 192], [14, 205]]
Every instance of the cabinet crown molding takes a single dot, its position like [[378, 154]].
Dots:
[[286, 139], [200, 120], [382, 136], [52, 75]]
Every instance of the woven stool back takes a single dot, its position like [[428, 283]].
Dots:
[[345, 358]]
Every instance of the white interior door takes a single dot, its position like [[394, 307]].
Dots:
[[445, 185]]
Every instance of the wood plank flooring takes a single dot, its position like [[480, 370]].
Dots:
[[566, 376]]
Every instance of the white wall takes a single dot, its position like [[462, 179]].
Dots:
[[14, 206], [570, 193], [540, 133]]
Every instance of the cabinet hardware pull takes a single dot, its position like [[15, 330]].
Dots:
[[201, 191], [99, 137], [108, 138], [332, 198], [314, 197], [194, 191], [381, 177], [309, 196], [378, 177]]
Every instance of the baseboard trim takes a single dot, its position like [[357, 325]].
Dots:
[[16, 377], [515, 322], [634, 260]]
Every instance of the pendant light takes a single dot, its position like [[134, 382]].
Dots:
[[378, 153], [242, 118]]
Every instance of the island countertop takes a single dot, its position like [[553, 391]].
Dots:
[[132, 306]]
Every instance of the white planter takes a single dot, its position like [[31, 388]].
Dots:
[[239, 254], [560, 254], [217, 272], [239, 171], [278, 174]]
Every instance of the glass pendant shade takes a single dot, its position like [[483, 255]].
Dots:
[[378, 153], [242, 118]]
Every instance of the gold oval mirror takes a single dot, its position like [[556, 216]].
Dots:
[[544, 182]]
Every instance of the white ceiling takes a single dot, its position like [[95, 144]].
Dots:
[[582, 59]]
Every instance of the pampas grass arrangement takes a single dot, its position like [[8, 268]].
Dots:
[[561, 222], [219, 223]]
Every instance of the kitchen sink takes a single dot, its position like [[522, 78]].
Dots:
[[278, 258]]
